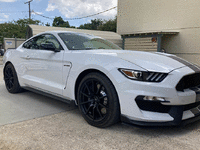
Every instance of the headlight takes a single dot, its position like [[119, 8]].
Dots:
[[143, 76]]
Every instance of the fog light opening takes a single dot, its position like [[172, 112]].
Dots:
[[154, 98]]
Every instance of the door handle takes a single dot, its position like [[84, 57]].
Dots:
[[67, 65], [28, 57]]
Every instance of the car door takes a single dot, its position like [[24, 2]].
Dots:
[[44, 65]]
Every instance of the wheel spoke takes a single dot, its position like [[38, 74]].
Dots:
[[86, 102], [11, 83], [93, 113], [88, 89], [85, 94], [9, 71], [103, 105], [88, 109], [6, 73], [102, 97], [99, 112], [93, 86]]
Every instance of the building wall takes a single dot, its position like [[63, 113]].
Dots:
[[140, 16], [151, 15], [185, 44], [140, 44], [12, 42]]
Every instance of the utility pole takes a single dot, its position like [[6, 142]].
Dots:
[[29, 8]]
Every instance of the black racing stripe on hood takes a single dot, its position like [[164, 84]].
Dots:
[[191, 66]]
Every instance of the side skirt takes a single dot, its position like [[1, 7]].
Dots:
[[49, 94]]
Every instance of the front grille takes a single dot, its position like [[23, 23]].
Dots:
[[155, 77], [191, 106], [188, 81]]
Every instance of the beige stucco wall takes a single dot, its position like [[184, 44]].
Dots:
[[140, 16], [185, 44], [153, 15]]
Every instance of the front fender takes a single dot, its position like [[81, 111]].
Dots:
[[104, 67]]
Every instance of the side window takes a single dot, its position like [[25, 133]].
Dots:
[[34, 43], [50, 39], [41, 42], [28, 44]]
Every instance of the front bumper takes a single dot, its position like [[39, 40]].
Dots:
[[177, 101], [176, 112]]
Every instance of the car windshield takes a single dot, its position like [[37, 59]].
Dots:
[[75, 41]]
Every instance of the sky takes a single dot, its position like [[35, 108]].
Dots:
[[16, 9]]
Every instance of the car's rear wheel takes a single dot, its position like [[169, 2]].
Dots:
[[98, 100], [11, 79]]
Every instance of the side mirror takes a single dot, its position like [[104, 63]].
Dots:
[[49, 46]]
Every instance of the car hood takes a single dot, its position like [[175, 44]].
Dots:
[[151, 61]]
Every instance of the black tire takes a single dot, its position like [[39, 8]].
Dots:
[[98, 100], [11, 79]]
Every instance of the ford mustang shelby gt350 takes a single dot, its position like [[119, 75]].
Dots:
[[107, 83]]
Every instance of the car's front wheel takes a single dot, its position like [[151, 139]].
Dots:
[[11, 79], [98, 100]]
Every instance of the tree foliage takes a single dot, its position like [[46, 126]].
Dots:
[[47, 24], [98, 24], [109, 25], [94, 25], [59, 22], [15, 29]]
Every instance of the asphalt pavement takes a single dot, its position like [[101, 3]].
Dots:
[[30, 121]]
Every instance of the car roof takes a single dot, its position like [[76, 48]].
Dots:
[[78, 33]]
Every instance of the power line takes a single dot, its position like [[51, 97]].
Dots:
[[2, 12], [42, 15], [77, 17], [91, 15]]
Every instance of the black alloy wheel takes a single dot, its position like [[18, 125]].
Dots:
[[11, 80], [98, 100]]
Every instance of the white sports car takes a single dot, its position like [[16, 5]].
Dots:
[[108, 84]]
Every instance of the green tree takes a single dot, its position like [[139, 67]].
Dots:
[[15, 29], [109, 25], [47, 24], [93, 25], [59, 22], [24, 22]]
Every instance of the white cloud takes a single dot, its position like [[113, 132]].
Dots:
[[7, 0], [4, 17], [81, 8], [51, 7]]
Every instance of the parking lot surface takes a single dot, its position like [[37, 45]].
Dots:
[[30, 121]]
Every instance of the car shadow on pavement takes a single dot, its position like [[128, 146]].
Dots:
[[158, 130]]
